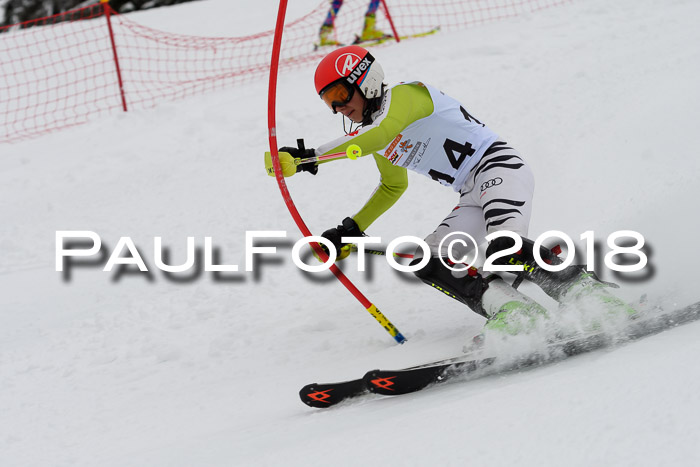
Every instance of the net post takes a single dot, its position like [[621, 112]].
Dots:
[[107, 12], [391, 21]]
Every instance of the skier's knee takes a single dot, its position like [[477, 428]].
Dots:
[[424, 272], [551, 282]]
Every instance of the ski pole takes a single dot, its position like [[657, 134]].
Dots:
[[370, 251], [290, 163], [352, 152]]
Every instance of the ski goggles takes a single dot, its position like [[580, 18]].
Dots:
[[337, 94]]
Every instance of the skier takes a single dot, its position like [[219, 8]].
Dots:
[[415, 126], [369, 31]]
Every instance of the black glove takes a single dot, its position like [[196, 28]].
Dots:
[[348, 228], [302, 153]]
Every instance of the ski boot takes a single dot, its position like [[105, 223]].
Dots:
[[370, 31], [509, 311], [593, 296], [573, 285], [506, 310], [326, 36]]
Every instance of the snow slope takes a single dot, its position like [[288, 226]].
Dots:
[[153, 370]]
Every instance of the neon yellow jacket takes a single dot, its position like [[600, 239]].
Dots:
[[406, 104]]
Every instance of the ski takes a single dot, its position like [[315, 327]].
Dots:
[[388, 37], [404, 381], [318, 46], [327, 395], [397, 382], [380, 40], [416, 378], [408, 380]]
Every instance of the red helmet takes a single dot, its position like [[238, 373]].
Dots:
[[354, 64]]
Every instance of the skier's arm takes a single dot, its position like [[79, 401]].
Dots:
[[394, 181], [406, 104]]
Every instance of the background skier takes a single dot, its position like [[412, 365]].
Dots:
[[369, 30]]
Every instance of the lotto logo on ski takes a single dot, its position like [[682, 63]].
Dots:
[[320, 396], [384, 383]]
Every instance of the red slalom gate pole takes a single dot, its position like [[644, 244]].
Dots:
[[391, 21], [272, 129], [107, 11]]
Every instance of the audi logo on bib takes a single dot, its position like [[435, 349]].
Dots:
[[490, 183]]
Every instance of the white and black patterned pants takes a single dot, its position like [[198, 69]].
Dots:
[[496, 196]]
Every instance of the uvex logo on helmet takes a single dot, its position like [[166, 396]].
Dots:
[[352, 66]]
